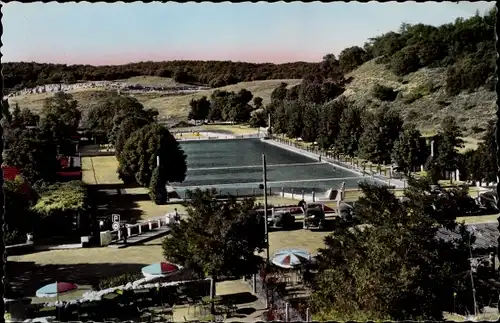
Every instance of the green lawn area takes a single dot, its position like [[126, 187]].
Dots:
[[236, 130], [100, 170]]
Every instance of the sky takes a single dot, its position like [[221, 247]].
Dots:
[[118, 33]]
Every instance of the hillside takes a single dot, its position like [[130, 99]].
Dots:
[[167, 105], [421, 97]]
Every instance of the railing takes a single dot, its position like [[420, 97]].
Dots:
[[349, 163], [271, 191], [146, 226]]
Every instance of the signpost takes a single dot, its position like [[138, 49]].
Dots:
[[116, 224]]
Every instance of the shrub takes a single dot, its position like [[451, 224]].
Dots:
[[405, 61], [14, 237], [120, 280], [412, 97], [384, 93], [477, 129]]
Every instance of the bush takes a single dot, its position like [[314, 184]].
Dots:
[[411, 97], [405, 61], [384, 93], [14, 237], [120, 280]]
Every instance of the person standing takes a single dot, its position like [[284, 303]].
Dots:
[[177, 217], [124, 234]]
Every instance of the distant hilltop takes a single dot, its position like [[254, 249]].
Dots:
[[110, 85]]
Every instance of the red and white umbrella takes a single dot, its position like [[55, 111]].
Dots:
[[291, 258], [158, 269], [56, 289]]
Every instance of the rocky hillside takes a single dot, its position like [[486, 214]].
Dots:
[[421, 97]]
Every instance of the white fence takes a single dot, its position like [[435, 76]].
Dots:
[[137, 229]]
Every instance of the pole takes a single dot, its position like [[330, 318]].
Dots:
[[472, 280], [266, 232], [264, 173]]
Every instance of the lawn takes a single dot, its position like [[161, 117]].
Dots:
[[150, 80], [100, 170], [236, 130]]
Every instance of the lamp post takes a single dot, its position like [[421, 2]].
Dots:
[[264, 178]]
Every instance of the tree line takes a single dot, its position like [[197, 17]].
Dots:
[[211, 73], [316, 113], [466, 48]]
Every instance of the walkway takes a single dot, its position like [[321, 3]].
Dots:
[[390, 181], [141, 238], [209, 135]]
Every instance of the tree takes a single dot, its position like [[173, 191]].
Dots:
[[138, 158], [295, 122], [350, 131], [200, 109], [238, 108], [394, 268], [352, 57], [449, 140], [257, 102], [220, 239], [6, 111], [330, 68], [487, 154], [311, 122], [157, 190], [33, 151], [279, 93], [409, 151], [310, 92], [258, 119], [19, 220], [60, 117], [329, 122], [129, 115]]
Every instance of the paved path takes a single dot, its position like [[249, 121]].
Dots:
[[210, 135], [141, 238], [395, 182]]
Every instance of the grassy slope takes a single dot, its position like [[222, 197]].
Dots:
[[470, 109], [168, 106]]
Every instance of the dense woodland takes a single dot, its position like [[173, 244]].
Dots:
[[466, 48]]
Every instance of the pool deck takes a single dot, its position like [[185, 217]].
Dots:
[[385, 180]]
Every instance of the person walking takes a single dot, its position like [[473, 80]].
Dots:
[[124, 234]]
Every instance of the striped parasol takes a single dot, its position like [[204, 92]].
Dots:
[[291, 258], [161, 268], [56, 289]]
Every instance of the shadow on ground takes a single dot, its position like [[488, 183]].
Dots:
[[239, 298], [26, 278]]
